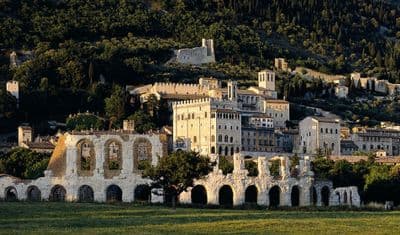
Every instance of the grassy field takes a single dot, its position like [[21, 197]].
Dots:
[[75, 218]]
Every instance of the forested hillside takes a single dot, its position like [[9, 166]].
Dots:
[[129, 41]]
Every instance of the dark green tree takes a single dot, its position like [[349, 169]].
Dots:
[[24, 163], [115, 105], [143, 122], [177, 172]]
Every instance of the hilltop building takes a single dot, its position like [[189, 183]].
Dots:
[[13, 88], [374, 84], [281, 64], [198, 55]]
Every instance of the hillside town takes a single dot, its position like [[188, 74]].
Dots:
[[215, 118], [199, 117]]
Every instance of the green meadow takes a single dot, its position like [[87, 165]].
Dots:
[[76, 218]]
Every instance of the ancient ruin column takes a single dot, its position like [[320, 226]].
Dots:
[[305, 195], [212, 195], [99, 149], [238, 163], [71, 162], [285, 197], [238, 194], [263, 168], [284, 168]]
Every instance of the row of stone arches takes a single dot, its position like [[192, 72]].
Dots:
[[86, 160], [85, 193], [225, 195]]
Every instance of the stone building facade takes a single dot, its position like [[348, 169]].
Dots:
[[319, 133], [100, 166], [278, 110], [375, 84], [373, 139], [211, 125], [281, 64], [198, 55], [13, 88]]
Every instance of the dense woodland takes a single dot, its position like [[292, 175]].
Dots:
[[128, 43]]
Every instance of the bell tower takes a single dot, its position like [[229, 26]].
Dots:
[[232, 90], [266, 80]]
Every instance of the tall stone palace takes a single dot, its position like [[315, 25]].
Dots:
[[242, 124]]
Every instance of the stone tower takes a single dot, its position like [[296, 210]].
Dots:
[[13, 88], [13, 59], [25, 134], [210, 53], [232, 90], [266, 80]]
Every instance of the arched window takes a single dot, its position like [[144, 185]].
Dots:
[[142, 152], [213, 138], [226, 138], [212, 149], [231, 139], [219, 138], [86, 158], [114, 155]]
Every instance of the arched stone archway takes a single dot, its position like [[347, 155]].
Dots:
[[57, 194], [251, 194], [142, 193], [325, 194], [295, 196], [274, 196], [85, 194], [199, 195], [225, 196], [113, 193], [33, 194], [313, 196], [11, 194]]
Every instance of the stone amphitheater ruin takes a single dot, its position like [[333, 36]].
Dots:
[[103, 167]]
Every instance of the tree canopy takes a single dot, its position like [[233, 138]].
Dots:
[[177, 172]]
